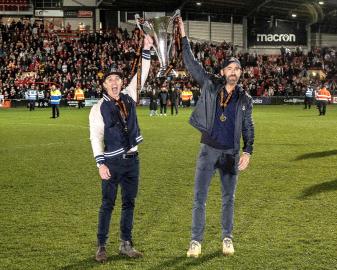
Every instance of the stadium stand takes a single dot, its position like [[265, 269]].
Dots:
[[34, 52]]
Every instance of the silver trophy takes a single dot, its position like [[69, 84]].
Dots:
[[162, 30]]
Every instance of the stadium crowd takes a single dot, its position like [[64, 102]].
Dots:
[[31, 54]]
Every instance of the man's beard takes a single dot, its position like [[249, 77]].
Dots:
[[232, 79]]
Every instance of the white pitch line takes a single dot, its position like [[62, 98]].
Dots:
[[41, 145], [59, 125]]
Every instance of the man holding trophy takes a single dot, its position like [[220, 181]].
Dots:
[[223, 114], [114, 135]]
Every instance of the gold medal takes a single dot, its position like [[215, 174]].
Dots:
[[223, 104], [223, 118]]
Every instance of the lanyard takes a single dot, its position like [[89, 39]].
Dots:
[[223, 103]]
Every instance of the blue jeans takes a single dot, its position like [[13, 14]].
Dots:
[[226, 161], [124, 172]]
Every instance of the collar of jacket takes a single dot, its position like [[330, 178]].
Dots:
[[237, 87], [106, 97]]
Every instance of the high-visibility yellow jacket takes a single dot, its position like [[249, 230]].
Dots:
[[186, 95], [79, 94], [55, 97]]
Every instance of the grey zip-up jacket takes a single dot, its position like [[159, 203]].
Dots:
[[202, 118]]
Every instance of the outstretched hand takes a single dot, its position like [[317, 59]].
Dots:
[[181, 26], [148, 42]]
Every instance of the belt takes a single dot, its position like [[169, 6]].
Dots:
[[130, 155]]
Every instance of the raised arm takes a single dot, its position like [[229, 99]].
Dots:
[[192, 65], [131, 89]]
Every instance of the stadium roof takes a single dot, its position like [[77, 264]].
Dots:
[[310, 11]]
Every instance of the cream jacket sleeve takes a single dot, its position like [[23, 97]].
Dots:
[[131, 89], [97, 132]]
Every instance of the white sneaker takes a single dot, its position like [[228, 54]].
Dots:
[[227, 247], [165, 114], [194, 250], [126, 248]]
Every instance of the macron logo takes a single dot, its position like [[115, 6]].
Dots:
[[276, 37]]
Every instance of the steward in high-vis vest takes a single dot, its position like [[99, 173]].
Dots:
[[41, 98], [323, 96], [308, 97], [55, 99], [32, 96], [79, 96], [186, 96]]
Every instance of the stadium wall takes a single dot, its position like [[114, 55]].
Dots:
[[75, 22], [323, 40], [81, 3], [223, 32]]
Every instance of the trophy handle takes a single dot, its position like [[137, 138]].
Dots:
[[175, 15], [138, 19], [142, 22]]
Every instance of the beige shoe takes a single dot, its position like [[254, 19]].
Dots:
[[227, 247], [101, 256], [127, 249], [194, 250]]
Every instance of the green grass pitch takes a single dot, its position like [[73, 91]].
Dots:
[[285, 209]]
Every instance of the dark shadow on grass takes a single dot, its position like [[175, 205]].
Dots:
[[317, 155], [319, 188], [182, 262], [283, 144], [90, 263]]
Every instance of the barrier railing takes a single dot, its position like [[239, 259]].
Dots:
[[144, 101]]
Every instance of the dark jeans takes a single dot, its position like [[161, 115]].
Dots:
[[31, 105], [55, 110], [307, 102], [124, 172], [210, 159], [322, 107], [80, 104], [175, 106], [162, 106]]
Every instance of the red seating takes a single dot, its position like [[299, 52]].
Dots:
[[14, 5]]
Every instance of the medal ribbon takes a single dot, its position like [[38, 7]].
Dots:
[[222, 103]]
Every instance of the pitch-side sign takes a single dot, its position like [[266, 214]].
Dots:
[[282, 34], [48, 13]]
